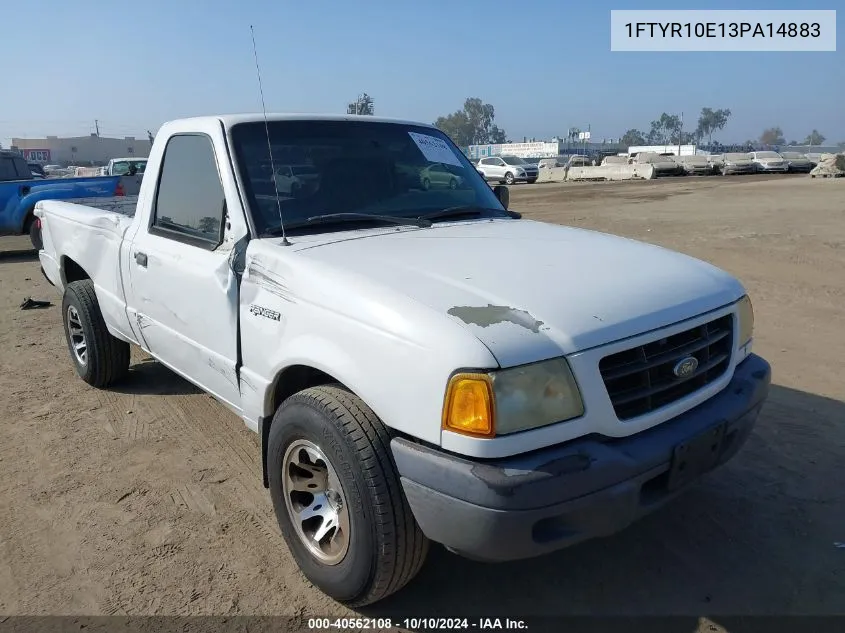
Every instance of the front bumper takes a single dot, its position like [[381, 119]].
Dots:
[[801, 169], [531, 504], [779, 169]]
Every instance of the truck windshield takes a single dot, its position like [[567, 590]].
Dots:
[[121, 168], [368, 168]]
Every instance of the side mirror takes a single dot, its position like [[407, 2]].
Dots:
[[503, 194]]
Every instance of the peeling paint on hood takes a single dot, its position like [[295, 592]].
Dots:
[[488, 315]]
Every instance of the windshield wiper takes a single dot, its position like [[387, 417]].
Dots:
[[453, 212], [342, 218]]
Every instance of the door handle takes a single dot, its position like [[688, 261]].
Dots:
[[141, 258]]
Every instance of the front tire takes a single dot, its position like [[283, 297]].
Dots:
[[509, 180], [338, 499], [100, 359]]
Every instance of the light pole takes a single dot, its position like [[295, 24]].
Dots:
[[681, 134]]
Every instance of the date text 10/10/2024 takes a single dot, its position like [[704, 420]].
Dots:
[[419, 624]]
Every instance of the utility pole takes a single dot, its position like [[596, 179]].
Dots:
[[681, 134], [97, 127]]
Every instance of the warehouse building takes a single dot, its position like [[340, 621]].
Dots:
[[80, 150]]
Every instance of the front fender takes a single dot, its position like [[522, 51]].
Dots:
[[319, 353]]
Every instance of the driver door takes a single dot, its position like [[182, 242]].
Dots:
[[184, 294]]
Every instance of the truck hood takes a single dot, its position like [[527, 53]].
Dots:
[[530, 290]]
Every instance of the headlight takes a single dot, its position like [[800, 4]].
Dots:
[[511, 400], [745, 311]]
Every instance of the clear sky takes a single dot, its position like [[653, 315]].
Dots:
[[545, 65]]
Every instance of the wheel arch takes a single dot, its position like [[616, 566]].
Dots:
[[71, 271], [288, 381]]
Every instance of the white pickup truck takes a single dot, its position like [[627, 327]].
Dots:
[[422, 364]]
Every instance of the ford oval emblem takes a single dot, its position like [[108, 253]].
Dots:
[[685, 367]]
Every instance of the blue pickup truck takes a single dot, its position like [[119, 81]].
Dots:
[[20, 190]]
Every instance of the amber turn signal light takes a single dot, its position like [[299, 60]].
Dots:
[[468, 408]]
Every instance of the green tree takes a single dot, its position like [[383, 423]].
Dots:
[[362, 105], [772, 136], [472, 125], [209, 225], [814, 138], [664, 129], [710, 121], [632, 137]]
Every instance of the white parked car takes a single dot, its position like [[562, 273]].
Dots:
[[663, 165], [769, 162], [695, 165], [508, 169], [616, 160], [440, 175], [291, 179], [736, 163], [420, 365]]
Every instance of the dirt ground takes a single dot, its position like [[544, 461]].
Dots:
[[147, 499]]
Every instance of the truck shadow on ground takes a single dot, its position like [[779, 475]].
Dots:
[[756, 537], [149, 377], [17, 256]]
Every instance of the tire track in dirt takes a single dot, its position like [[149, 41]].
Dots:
[[222, 439]]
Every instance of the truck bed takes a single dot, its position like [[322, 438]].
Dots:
[[123, 205], [89, 232]]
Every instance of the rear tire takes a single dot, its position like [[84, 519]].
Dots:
[[34, 229], [100, 359], [328, 438], [532, 181]]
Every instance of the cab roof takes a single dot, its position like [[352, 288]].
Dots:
[[229, 120]]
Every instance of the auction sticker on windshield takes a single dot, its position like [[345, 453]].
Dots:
[[435, 149]]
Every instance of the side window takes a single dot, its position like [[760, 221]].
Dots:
[[189, 203], [500, 162], [486, 161]]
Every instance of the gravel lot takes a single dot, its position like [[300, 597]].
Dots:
[[147, 499]]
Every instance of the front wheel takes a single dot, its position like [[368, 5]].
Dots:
[[509, 179], [338, 499]]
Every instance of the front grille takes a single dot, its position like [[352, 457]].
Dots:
[[642, 379]]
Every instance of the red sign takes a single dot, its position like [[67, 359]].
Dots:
[[37, 155]]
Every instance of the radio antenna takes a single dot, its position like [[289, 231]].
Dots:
[[285, 241]]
